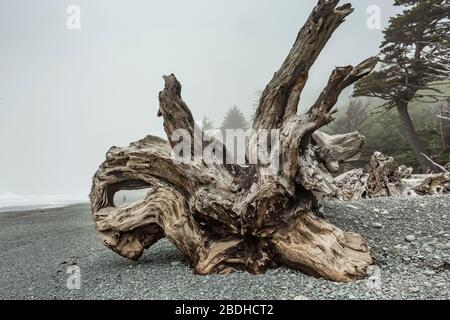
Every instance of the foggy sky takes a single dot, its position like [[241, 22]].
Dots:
[[70, 95]]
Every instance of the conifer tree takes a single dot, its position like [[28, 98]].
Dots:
[[234, 119], [415, 57]]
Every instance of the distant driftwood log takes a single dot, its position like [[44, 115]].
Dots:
[[225, 218]]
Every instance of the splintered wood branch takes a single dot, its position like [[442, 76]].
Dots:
[[338, 149], [281, 96], [437, 165], [340, 78], [442, 117]]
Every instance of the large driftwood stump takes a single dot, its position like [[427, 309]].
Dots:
[[225, 218]]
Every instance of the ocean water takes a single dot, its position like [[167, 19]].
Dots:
[[16, 202]]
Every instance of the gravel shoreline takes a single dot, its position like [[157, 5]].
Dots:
[[410, 239]]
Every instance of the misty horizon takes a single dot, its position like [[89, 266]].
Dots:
[[69, 95]]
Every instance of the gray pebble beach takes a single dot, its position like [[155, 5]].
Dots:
[[410, 238]]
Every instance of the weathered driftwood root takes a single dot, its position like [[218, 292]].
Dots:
[[225, 217], [386, 179]]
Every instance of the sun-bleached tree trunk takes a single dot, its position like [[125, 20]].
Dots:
[[225, 218]]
